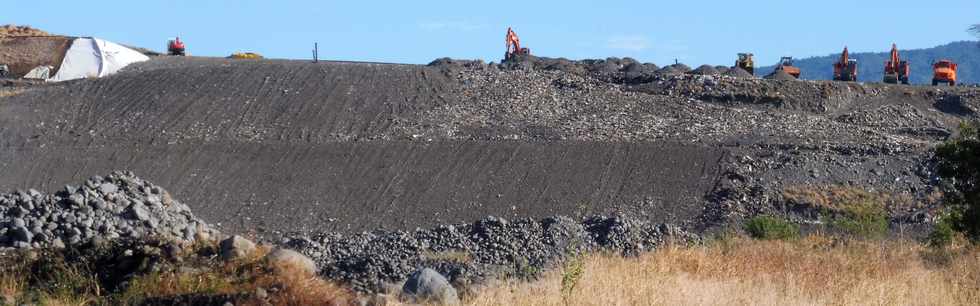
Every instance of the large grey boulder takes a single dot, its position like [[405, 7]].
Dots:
[[285, 257], [236, 247], [428, 286]]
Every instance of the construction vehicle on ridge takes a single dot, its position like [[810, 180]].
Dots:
[[514, 46], [944, 71], [845, 69], [746, 63], [896, 70], [786, 65], [245, 55], [175, 47]]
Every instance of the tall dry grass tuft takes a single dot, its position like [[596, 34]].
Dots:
[[285, 284], [812, 271]]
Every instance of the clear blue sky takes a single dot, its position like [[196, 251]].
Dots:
[[696, 32]]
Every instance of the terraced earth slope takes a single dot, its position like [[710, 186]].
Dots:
[[274, 146], [290, 145]]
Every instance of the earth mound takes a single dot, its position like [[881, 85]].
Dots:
[[781, 75], [15, 30]]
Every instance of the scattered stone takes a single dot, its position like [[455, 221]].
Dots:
[[104, 207], [236, 247], [428, 286], [108, 188]]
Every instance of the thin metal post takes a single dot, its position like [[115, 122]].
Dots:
[[316, 52]]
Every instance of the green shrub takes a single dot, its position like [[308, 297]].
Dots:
[[865, 219], [959, 165], [942, 235], [771, 228]]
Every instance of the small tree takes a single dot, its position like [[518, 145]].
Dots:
[[959, 162]]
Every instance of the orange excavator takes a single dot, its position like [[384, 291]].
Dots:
[[846, 69], [175, 47], [944, 71], [514, 46], [896, 70]]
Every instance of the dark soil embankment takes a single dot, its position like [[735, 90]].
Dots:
[[288, 146], [395, 185]]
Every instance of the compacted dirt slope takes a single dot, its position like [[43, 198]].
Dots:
[[294, 146]]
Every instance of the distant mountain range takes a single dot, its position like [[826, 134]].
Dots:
[[871, 65]]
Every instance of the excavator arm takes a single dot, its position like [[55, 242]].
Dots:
[[513, 44]]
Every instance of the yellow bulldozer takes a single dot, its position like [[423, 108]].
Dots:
[[245, 55], [745, 62]]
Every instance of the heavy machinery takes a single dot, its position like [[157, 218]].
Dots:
[[745, 62], [175, 47], [896, 70], [944, 71], [846, 68], [245, 55], [514, 46], [4, 70], [786, 64]]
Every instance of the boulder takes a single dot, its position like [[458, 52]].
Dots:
[[285, 257], [236, 247], [428, 286]]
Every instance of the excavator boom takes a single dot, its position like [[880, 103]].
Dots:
[[896, 70], [513, 44], [845, 69]]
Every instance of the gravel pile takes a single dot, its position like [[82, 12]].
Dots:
[[674, 69], [705, 70], [780, 75], [110, 207], [738, 72], [468, 253]]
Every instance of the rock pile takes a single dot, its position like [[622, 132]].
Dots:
[[114, 206], [468, 253], [705, 70], [780, 75]]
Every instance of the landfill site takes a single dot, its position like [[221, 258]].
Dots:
[[368, 167]]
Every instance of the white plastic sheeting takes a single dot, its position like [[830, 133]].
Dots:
[[93, 57], [39, 73]]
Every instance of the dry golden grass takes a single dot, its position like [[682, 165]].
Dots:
[[812, 271], [291, 285], [12, 285], [10, 92], [835, 197]]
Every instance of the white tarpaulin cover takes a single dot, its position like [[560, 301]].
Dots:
[[39, 73], [93, 57]]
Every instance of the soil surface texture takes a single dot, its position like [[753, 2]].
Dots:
[[275, 146]]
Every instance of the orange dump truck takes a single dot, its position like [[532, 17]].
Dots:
[[944, 71]]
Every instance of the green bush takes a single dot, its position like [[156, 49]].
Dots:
[[866, 219], [942, 235], [959, 166], [771, 228]]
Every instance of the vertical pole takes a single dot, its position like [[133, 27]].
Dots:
[[316, 52]]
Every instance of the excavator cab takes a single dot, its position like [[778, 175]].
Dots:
[[845, 69], [896, 70], [175, 47], [4, 70]]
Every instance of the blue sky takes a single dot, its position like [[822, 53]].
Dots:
[[696, 32]]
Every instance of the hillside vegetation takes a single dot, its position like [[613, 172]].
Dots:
[[871, 64]]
